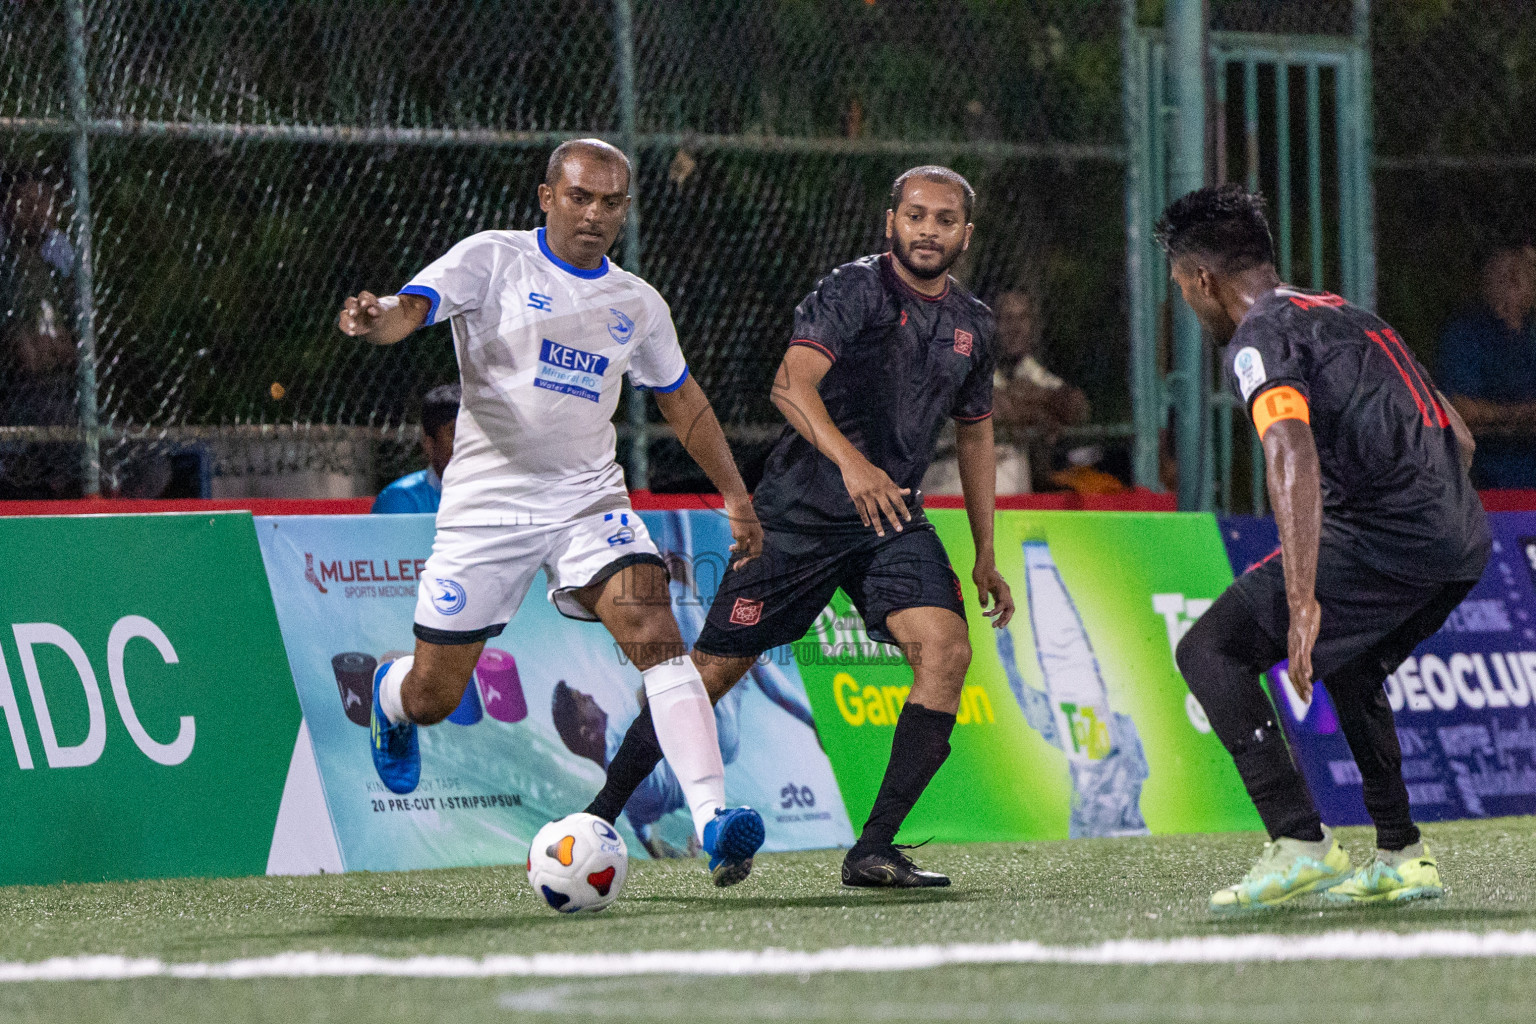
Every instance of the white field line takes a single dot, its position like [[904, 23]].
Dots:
[[1339, 945]]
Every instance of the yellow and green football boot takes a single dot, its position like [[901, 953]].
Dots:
[[1392, 877], [1288, 868]]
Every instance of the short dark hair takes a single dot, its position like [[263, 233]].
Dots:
[[933, 172], [591, 147], [1223, 225], [439, 407]]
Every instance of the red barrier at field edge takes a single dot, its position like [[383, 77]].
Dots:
[[1138, 500]]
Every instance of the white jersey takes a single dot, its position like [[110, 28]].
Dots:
[[542, 348]]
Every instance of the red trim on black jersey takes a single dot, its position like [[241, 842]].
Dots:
[[973, 419], [816, 345]]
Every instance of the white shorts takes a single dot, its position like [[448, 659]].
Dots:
[[477, 576]]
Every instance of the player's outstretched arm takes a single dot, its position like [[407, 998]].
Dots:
[[691, 416], [382, 319], [1295, 491], [978, 482], [795, 395]]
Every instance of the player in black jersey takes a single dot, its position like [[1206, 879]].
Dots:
[[1381, 536], [884, 350]]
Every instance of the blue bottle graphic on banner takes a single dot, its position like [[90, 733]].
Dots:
[[1103, 749]]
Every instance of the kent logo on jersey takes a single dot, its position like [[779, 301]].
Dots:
[[570, 371]]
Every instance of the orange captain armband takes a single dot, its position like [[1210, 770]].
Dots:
[[1282, 403]]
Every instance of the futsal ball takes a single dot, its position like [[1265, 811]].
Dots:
[[577, 863]]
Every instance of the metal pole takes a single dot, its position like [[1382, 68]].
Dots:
[[85, 283], [1145, 404], [1184, 25], [624, 45], [1365, 196]]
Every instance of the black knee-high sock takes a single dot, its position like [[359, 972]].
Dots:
[[1220, 658], [1366, 719], [918, 749], [637, 757]]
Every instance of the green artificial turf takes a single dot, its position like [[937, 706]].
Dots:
[[1067, 893]]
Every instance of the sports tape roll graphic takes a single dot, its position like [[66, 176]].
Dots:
[[501, 689], [354, 681]]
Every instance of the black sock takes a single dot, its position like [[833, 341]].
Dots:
[[918, 749], [638, 756]]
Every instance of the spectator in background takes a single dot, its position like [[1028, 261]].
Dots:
[[37, 345], [1487, 366], [1025, 394], [422, 491]]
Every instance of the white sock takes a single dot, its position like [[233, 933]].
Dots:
[[389, 689], [685, 727]]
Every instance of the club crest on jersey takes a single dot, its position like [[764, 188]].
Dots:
[[746, 612], [622, 328], [963, 341], [1248, 365], [570, 371]]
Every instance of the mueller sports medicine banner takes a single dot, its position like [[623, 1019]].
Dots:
[[549, 702], [1463, 699], [1074, 720], [150, 718]]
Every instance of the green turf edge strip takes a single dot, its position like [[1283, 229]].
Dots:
[[1338, 945]]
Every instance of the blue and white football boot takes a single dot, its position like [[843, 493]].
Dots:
[[396, 754], [730, 840]]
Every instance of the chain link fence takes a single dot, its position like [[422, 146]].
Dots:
[[248, 165]]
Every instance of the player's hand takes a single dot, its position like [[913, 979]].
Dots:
[[1305, 622], [360, 314], [746, 531], [996, 598], [874, 493]]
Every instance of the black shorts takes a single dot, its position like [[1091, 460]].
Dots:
[[775, 598], [1364, 612]]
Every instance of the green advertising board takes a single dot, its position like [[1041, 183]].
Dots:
[[145, 695], [1074, 720]]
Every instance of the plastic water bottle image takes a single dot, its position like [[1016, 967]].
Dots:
[[1103, 749]]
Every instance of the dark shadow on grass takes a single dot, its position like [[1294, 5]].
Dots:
[[866, 897], [364, 926]]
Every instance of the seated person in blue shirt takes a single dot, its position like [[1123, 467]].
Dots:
[[422, 491], [1487, 365]]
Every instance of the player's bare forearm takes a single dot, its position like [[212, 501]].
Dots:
[[977, 461], [382, 319], [978, 482], [1465, 446], [871, 490], [796, 396], [689, 413], [1295, 491]]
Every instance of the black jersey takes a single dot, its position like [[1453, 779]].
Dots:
[[1394, 492], [902, 363]]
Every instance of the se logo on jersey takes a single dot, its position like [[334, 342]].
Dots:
[[963, 342], [1249, 367]]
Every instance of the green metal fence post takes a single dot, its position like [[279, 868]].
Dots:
[[624, 39], [1146, 403], [85, 279], [1364, 153], [1184, 25]]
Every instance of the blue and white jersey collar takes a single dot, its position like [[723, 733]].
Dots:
[[569, 268]]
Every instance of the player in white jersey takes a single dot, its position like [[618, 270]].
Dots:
[[544, 328]]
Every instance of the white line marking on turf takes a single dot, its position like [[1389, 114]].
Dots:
[[1339, 945]]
